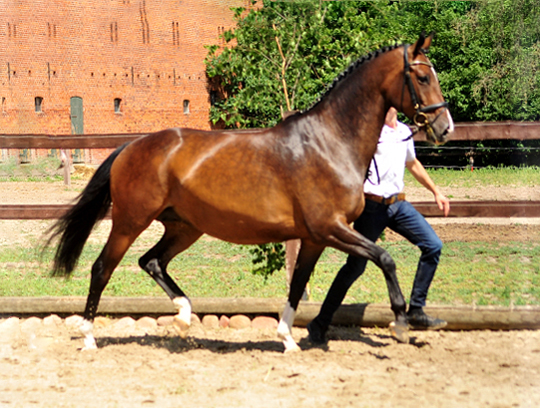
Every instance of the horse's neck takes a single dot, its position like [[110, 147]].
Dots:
[[360, 106], [354, 126], [349, 119]]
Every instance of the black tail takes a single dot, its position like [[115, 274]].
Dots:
[[75, 226]]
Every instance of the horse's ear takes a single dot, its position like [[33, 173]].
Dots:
[[419, 44], [423, 44], [427, 42]]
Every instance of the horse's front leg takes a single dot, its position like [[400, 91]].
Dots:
[[307, 258], [350, 241]]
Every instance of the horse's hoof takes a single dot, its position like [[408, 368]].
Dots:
[[89, 344], [292, 349], [181, 327], [400, 332]]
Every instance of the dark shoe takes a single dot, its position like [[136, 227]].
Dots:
[[317, 335], [418, 320]]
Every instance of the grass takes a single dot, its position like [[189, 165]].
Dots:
[[487, 176], [41, 169], [482, 273]]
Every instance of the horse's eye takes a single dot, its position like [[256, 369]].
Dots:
[[423, 79]]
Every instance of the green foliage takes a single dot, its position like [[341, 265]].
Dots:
[[270, 257], [487, 54], [493, 70], [282, 56]]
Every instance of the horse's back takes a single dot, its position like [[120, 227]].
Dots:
[[231, 184], [228, 184]]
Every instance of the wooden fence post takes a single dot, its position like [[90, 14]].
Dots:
[[67, 167]]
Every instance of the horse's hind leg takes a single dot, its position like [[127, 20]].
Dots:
[[112, 253], [307, 258], [178, 237], [350, 241]]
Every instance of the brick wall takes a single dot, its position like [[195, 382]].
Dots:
[[147, 54]]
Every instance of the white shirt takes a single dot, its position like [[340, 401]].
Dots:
[[395, 149]]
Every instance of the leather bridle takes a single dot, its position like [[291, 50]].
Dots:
[[420, 118]]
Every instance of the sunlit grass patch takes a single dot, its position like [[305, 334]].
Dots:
[[488, 176], [482, 273]]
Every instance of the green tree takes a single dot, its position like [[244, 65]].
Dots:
[[281, 56], [493, 70]]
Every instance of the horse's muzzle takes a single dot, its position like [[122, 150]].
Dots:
[[438, 130]]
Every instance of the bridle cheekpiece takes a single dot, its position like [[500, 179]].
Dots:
[[420, 118]]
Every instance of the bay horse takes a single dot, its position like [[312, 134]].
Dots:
[[301, 179]]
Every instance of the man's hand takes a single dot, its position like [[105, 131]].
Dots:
[[419, 173], [443, 203]]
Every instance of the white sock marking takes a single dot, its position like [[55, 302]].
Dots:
[[183, 305], [87, 328], [285, 329]]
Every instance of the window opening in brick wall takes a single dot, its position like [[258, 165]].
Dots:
[[117, 105], [51, 30], [12, 30], [221, 36], [38, 102], [114, 32], [144, 23], [3, 104], [175, 33], [186, 106]]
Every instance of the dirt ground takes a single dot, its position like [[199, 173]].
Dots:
[[41, 364], [247, 368]]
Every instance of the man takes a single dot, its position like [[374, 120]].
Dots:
[[386, 207]]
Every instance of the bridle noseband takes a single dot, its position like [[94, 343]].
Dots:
[[420, 118]]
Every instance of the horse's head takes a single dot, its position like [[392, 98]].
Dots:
[[421, 97]]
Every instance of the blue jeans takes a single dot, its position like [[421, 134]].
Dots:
[[404, 219]]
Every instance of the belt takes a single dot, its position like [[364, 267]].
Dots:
[[386, 201]]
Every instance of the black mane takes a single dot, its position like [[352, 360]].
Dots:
[[348, 71]]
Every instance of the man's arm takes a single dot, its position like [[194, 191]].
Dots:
[[419, 173]]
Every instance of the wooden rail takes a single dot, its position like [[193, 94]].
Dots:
[[32, 211], [494, 209], [361, 314], [463, 131], [87, 141], [492, 131]]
